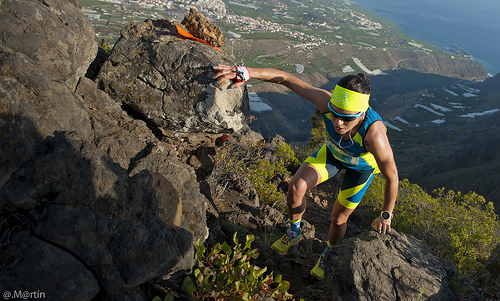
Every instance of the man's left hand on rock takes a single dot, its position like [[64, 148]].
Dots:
[[381, 226]]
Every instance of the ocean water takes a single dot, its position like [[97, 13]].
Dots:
[[472, 25]]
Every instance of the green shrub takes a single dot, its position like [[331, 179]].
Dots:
[[225, 273], [254, 162], [262, 171], [473, 227], [105, 45], [462, 228], [318, 129]]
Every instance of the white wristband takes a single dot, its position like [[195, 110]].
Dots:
[[242, 74]]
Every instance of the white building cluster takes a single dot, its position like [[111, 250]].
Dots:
[[215, 9], [366, 23]]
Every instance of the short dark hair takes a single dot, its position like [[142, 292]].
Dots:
[[359, 83]]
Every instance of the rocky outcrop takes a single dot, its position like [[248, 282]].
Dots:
[[53, 34], [170, 85], [200, 27], [44, 48], [94, 196], [387, 267]]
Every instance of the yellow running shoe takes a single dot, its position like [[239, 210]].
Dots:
[[318, 271], [282, 245]]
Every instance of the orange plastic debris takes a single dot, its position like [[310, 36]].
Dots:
[[188, 35]]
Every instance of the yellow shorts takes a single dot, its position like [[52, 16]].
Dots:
[[355, 182]]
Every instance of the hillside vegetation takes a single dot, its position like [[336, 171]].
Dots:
[[463, 228]]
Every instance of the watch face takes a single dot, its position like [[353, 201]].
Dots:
[[386, 215]]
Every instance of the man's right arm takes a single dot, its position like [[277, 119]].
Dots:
[[318, 96]]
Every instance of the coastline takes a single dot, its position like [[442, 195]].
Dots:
[[445, 27]]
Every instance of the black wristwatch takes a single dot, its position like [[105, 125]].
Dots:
[[386, 215]]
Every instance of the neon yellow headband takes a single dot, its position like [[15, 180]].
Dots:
[[349, 100]]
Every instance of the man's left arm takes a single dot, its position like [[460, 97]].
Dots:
[[377, 143]]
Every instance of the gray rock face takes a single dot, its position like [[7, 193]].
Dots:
[[29, 115], [371, 266], [91, 200], [125, 229], [45, 47], [170, 84], [42, 259], [52, 35], [131, 144]]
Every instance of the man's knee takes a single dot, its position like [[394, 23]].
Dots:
[[297, 188], [338, 221], [339, 218]]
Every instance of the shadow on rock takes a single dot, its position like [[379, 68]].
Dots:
[[75, 225]]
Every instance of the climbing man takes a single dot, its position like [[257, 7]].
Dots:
[[356, 140]]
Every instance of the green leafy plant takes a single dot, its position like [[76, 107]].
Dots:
[[473, 227], [226, 273]]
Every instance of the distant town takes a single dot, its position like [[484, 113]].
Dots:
[[114, 14], [305, 26]]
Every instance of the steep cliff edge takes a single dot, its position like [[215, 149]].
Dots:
[[101, 180]]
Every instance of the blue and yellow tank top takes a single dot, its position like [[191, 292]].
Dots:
[[352, 154]]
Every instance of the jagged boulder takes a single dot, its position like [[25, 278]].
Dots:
[[46, 41], [201, 28], [45, 47], [136, 149], [371, 266], [168, 82]]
